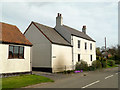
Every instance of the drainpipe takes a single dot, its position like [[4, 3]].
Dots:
[[72, 52], [31, 59]]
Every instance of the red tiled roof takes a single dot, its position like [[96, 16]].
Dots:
[[11, 34]]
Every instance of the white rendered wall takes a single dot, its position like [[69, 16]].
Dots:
[[14, 65], [41, 50], [61, 58], [84, 54]]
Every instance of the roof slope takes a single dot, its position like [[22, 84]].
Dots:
[[11, 34], [77, 33], [52, 35]]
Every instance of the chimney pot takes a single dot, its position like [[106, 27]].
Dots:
[[84, 29], [59, 20], [58, 14]]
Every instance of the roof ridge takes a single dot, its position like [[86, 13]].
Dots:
[[43, 25], [51, 34], [7, 24], [73, 28]]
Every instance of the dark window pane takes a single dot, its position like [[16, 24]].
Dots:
[[91, 46], [21, 53], [85, 45], [10, 51], [78, 43], [78, 57], [16, 49], [91, 57]]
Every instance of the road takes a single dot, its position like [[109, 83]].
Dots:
[[107, 78]]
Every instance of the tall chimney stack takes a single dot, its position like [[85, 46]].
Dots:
[[84, 29], [59, 20]]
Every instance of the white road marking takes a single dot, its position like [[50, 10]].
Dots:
[[91, 84], [116, 73], [108, 76]]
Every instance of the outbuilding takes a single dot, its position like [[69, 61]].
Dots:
[[15, 51]]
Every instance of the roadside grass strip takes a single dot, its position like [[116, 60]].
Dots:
[[91, 84], [23, 80], [108, 76]]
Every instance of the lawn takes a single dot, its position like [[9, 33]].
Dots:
[[112, 66], [23, 80]]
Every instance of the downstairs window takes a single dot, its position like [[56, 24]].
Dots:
[[16, 52]]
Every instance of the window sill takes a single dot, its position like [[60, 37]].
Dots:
[[16, 58]]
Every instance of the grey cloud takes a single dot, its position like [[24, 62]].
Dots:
[[100, 18]]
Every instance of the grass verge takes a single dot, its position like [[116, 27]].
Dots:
[[112, 66], [23, 80]]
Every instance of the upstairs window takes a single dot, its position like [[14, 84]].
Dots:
[[16, 52], [90, 46], [78, 43], [85, 45]]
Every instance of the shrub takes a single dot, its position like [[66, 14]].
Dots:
[[117, 61], [82, 65], [104, 64], [91, 68], [68, 71], [111, 63], [96, 64]]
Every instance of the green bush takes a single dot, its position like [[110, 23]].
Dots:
[[111, 63], [117, 61], [82, 65], [91, 68], [104, 64], [96, 64]]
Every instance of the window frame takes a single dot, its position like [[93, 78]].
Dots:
[[90, 46], [78, 43], [18, 47], [85, 45], [91, 58], [78, 57]]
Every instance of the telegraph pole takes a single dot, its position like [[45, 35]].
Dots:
[[105, 51], [105, 43]]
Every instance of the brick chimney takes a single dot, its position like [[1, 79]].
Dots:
[[84, 29], [59, 20]]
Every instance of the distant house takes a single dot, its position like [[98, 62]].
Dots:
[[15, 51], [57, 49]]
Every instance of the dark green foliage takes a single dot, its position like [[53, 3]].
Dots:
[[82, 65], [91, 68], [117, 61], [111, 63], [96, 64], [104, 64], [68, 71]]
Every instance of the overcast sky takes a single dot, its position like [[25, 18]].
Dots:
[[101, 18]]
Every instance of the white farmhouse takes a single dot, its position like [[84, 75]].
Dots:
[[84, 47], [50, 51], [57, 49], [15, 51]]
